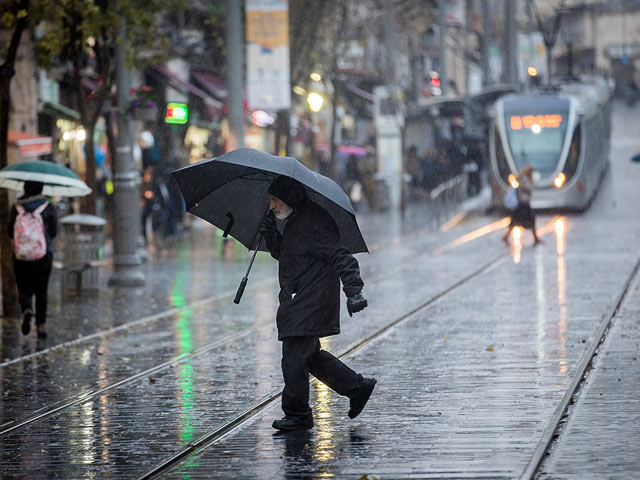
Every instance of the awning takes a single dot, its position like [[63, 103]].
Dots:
[[445, 106], [215, 85], [30, 145], [184, 86], [58, 110], [360, 92]]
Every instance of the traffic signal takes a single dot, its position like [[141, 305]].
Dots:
[[177, 113]]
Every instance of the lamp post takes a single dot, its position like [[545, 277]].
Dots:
[[315, 101], [126, 261]]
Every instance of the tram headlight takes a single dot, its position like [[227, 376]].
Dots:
[[558, 182]]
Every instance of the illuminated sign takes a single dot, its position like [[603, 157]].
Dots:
[[177, 113], [261, 118], [518, 122]]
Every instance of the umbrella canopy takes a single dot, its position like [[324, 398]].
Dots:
[[230, 192], [58, 180]]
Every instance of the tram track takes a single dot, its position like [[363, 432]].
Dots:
[[157, 368], [215, 436], [239, 420], [57, 407], [173, 311], [50, 410], [53, 409], [551, 433], [561, 414]]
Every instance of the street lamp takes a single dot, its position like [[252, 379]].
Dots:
[[315, 101]]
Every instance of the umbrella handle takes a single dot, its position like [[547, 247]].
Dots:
[[243, 283], [240, 291]]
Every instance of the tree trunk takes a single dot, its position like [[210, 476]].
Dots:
[[9, 292], [89, 202], [88, 122]]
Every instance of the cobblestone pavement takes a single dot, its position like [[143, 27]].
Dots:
[[484, 342]]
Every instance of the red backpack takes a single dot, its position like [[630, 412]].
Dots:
[[29, 241]]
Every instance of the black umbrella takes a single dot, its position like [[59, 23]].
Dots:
[[230, 192]]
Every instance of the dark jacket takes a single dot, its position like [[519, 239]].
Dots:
[[49, 217], [312, 263]]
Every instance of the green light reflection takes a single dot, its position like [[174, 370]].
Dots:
[[185, 345]]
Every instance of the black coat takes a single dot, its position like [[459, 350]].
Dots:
[[312, 263]]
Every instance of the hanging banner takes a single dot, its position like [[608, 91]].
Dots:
[[268, 82]]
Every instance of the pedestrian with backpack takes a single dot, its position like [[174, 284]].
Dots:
[[32, 226]]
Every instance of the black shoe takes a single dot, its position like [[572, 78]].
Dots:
[[291, 424], [42, 330], [26, 322], [361, 397]]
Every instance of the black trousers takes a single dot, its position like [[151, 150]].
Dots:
[[32, 278], [302, 356]]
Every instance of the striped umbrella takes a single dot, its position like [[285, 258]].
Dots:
[[58, 180]]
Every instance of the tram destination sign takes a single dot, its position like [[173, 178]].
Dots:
[[518, 122]]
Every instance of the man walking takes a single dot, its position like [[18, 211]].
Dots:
[[312, 262]]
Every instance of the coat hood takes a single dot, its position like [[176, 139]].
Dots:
[[31, 203]]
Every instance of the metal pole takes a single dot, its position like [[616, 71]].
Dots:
[[485, 42], [394, 154], [444, 81], [389, 41], [235, 78], [511, 73], [467, 31], [126, 187]]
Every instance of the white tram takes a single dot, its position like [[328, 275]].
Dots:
[[563, 132]]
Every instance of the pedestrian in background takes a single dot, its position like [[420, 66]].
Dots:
[[32, 226], [523, 215], [312, 262]]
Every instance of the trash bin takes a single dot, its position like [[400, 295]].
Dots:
[[82, 244]]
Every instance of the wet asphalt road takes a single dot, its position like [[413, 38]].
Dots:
[[485, 342]]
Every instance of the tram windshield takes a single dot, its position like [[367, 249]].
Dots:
[[536, 128]]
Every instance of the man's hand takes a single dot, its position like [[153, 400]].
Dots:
[[355, 303], [268, 224]]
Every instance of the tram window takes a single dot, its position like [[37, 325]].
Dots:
[[573, 156], [501, 159], [536, 128], [540, 148]]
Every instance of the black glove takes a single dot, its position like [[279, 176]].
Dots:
[[268, 224], [355, 303]]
